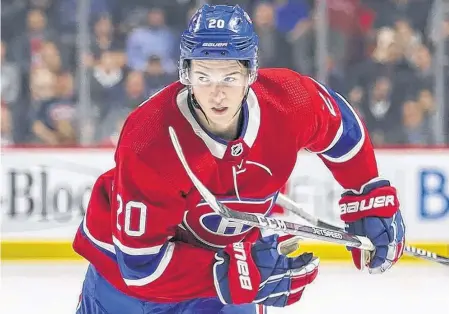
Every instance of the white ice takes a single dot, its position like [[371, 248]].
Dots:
[[407, 288]]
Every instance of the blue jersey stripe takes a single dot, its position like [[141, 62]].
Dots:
[[106, 252], [352, 130], [139, 266], [132, 267]]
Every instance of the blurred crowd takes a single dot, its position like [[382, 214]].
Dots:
[[381, 57]]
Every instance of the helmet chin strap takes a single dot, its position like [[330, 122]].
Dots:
[[192, 102]]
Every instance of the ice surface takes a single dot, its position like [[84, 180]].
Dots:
[[407, 288]]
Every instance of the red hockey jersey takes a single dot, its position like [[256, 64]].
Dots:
[[147, 230]]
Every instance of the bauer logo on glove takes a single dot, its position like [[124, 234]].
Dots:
[[257, 273], [374, 202], [374, 212], [242, 266]]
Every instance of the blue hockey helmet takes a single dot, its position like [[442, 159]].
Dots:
[[220, 32]]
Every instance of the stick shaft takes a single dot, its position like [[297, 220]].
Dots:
[[296, 209]]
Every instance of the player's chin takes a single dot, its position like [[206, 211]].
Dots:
[[222, 121], [220, 117]]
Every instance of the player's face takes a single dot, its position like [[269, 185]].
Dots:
[[219, 87]]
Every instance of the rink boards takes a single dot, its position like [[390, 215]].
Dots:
[[45, 192]]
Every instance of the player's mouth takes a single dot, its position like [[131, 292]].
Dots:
[[220, 110]]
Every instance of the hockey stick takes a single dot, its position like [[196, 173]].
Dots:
[[296, 209], [269, 223]]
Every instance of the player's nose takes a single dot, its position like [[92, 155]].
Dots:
[[217, 94]]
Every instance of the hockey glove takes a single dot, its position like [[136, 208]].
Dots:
[[257, 273], [374, 212]]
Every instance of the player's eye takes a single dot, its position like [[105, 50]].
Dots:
[[203, 79], [229, 79]]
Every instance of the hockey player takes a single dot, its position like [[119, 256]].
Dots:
[[153, 244]]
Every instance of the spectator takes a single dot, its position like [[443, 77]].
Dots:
[[355, 98], [406, 38], [423, 77], [274, 51], [48, 7], [293, 20], [365, 73], [141, 43], [53, 121], [134, 90], [106, 78], [380, 112], [51, 57], [106, 90], [415, 131], [156, 77], [387, 60], [344, 27], [103, 38], [27, 47], [424, 69], [426, 101]]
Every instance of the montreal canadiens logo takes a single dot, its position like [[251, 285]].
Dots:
[[236, 149], [216, 231], [217, 225]]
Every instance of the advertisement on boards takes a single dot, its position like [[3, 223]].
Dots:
[[45, 192]]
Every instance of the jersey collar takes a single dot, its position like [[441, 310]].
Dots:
[[218, 146]]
